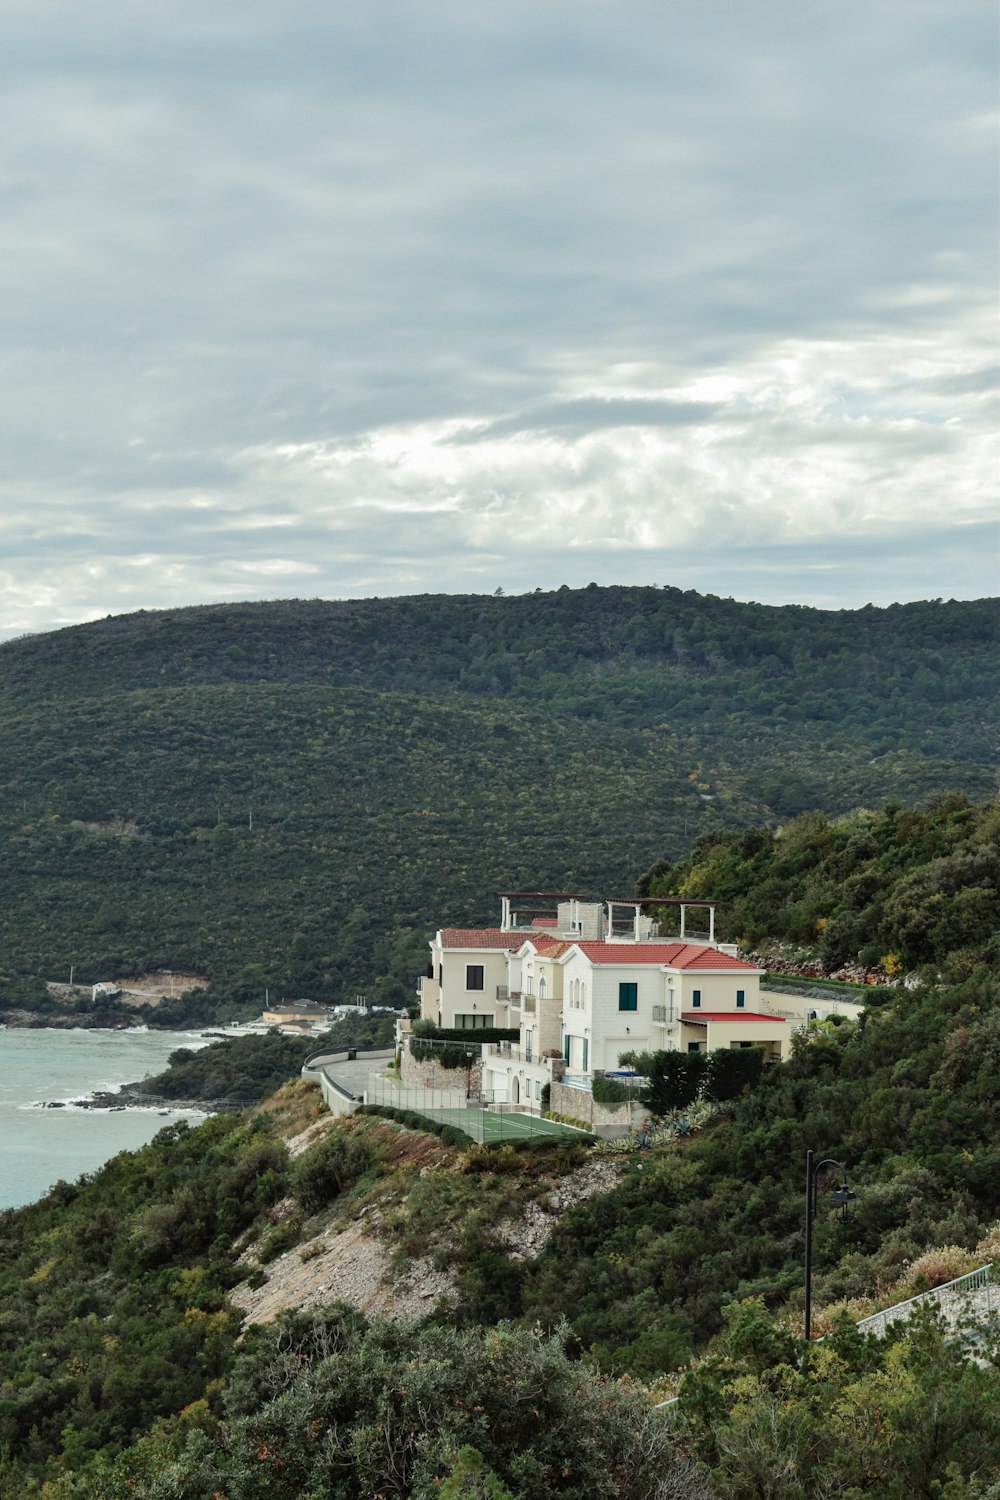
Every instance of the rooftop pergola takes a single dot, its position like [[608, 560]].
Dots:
[[531, 901], [536, 901], [636, 903]]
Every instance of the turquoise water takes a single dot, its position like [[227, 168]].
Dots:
[[38, 1146]]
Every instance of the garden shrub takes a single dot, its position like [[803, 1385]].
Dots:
[[453, 1055], [610, 1091], [727, 1073]]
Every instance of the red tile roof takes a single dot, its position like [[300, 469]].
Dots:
[[551, 947], [730, 1015], [695, 956], [545, 922], [479, 937], [677, 955]]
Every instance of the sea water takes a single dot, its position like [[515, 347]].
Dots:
[[38, 1146]]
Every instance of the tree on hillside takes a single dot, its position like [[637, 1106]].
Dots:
[[321, 1405]]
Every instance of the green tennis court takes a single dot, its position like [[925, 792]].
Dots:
[[488, 1125]]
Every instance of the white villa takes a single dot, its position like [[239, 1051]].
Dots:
[[595, 980]]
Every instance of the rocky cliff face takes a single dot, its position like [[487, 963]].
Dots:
[[353, 1259]]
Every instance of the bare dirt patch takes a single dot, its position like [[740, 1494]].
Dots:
[[298, 1113], [109, 828], [150, 989], [142, 989]]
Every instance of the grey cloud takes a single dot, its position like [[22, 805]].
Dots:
[[228, 229], [984, 382]]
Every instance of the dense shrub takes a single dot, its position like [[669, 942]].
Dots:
[[280, 1238], [320, 1405], [728, 1073], [329, 1168]]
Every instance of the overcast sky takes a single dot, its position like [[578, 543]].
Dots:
[[323, 300]]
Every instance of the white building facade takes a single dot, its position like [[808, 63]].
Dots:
[[585, 986]]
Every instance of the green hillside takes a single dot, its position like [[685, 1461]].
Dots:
[[122, 1370], [899, 886], [918, 676], [290, 795]]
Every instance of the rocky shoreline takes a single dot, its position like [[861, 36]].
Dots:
[[36, 1020], [128, 1097]]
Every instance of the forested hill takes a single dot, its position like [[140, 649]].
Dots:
[[290, 795], [898, 887], [126, 1367], [924, 676]]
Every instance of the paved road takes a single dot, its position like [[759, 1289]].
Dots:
[[354, 1075]]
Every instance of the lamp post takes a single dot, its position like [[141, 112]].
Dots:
[[841, 1196]]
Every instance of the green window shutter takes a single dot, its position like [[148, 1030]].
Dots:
[[628, 995]]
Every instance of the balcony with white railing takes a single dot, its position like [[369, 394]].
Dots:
[[510, 1052]]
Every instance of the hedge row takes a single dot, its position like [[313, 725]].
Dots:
[[798, 984], [463, 1034], [553, 1114], [447, 1057], [449, 1134]]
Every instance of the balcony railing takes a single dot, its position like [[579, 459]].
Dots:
[[502, 993], [662, 1015], [510, 1052], [529, 1004]]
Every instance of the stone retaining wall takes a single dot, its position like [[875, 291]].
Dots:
[[579, 1104], [427, 1073]]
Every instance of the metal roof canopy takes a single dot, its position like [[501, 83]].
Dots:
[[542, 895], [659, 901]]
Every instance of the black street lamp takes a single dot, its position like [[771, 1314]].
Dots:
[[841, 1197]]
